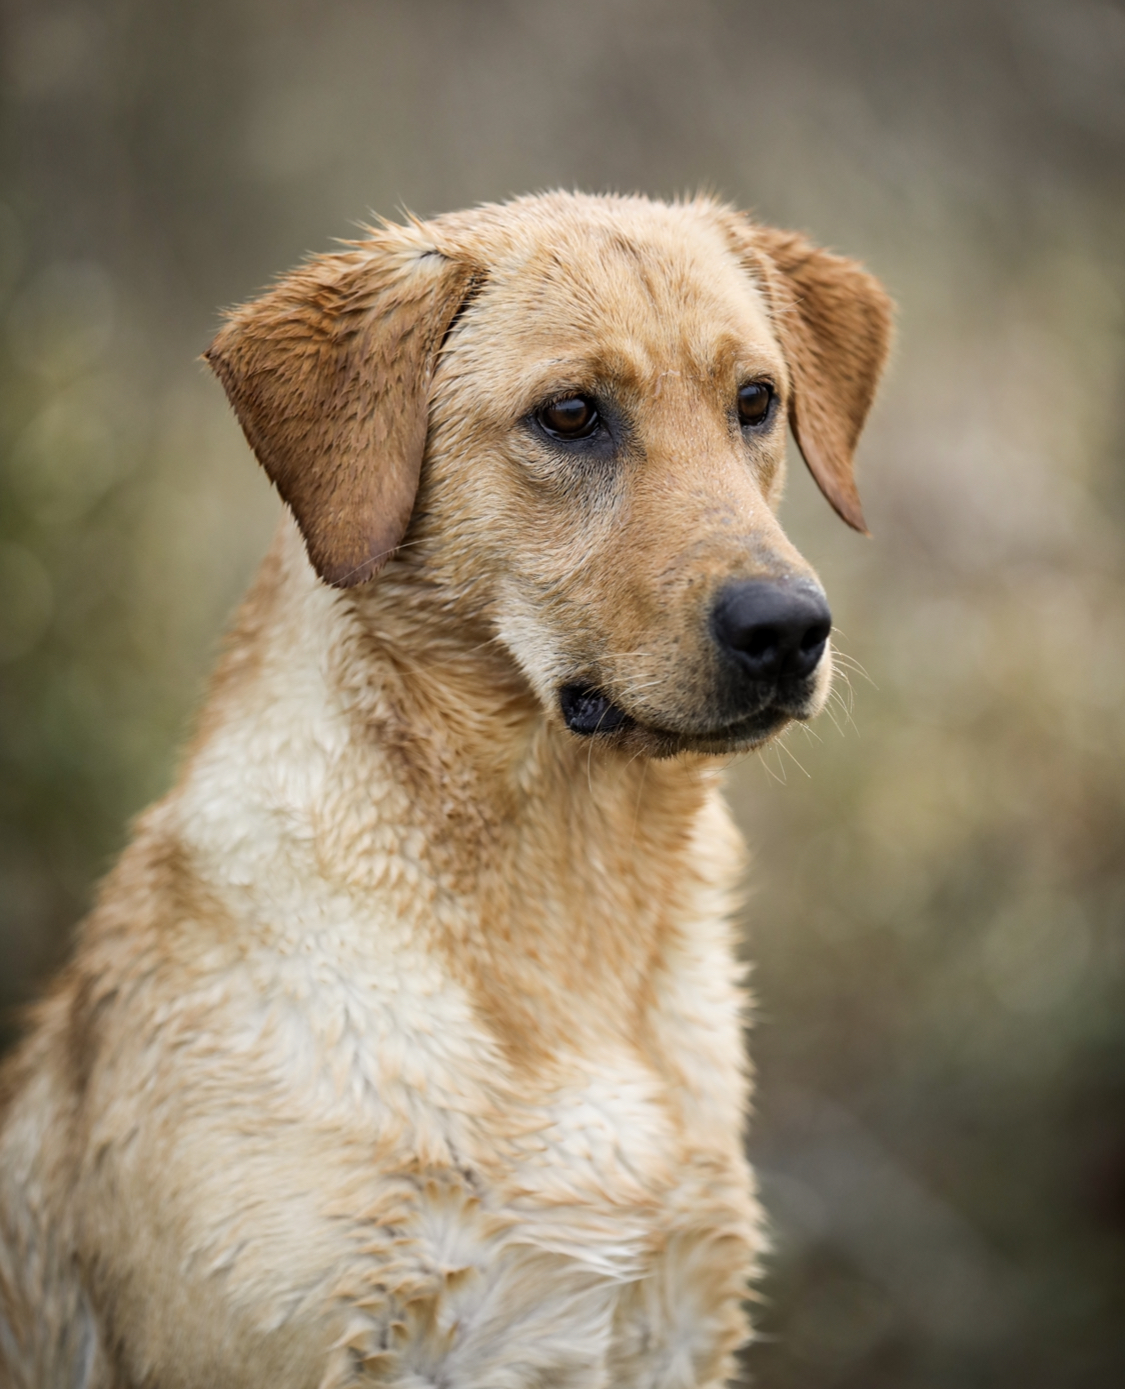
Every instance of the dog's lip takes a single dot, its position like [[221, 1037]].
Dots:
[[751, 728], [589, 711], [614, 721], [747, 732]]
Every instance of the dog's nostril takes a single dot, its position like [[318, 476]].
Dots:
[[759, 642], [773, 630], [816, 636]]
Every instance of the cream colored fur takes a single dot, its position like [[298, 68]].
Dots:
[[404, 1045]]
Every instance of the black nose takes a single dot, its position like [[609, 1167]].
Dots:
[[772, 628]]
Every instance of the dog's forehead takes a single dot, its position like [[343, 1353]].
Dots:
[[657, 282]]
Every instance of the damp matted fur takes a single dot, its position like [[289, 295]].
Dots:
[[404, 1043]]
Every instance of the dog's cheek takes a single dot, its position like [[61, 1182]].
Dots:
[[543, 644], [773, 479]]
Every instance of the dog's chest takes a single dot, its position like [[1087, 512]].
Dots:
[[594, 1212], [580, 1212]]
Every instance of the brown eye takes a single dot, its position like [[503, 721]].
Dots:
[[571, 418], [754, 401]]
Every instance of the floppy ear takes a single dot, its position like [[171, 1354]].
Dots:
[[833, 321], [329, 374]]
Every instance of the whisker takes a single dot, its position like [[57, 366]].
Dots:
[[763, 761], [783, 746], [831, 713], [841, 658]]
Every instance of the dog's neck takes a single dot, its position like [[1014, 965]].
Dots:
[[350, 734]]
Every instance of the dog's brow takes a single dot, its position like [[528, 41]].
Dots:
[[584, 368], [684, 375]]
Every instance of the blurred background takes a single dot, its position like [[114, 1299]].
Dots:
[[939, 882]]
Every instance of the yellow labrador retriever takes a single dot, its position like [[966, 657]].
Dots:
[[403, 1046]]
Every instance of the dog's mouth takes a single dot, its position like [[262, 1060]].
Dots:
[[590, 713]]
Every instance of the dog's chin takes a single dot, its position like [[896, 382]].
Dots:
[[590, 714]]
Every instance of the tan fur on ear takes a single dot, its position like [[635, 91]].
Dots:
[[329, 375], [833, 320]]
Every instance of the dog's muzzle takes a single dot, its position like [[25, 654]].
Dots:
[[769, 637]]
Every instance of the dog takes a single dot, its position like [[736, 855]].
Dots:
[[403, 1045]]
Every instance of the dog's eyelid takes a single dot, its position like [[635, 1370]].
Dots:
[[567, 393], [544, 398]]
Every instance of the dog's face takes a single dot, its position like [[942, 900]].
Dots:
[[601, 389]]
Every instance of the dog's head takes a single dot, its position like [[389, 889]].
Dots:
[[598, 389]]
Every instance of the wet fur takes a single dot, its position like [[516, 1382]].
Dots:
[[404, 1045]]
